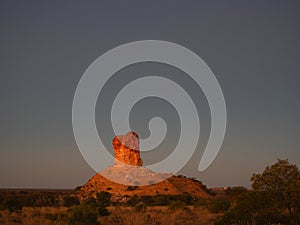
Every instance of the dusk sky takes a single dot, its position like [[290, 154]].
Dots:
[[253, 48]]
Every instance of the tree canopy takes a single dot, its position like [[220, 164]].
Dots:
[[282, 179], [275, 198]]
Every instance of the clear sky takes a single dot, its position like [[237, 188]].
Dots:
[[45, 46]]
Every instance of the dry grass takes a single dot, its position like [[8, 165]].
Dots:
[[159, 215], [31, 216], [155, 215]]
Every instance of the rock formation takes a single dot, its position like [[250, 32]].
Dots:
[[126, 150], [120, 192], [127, 177]]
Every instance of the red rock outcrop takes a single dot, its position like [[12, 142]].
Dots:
[[127, 150], [127, 177]]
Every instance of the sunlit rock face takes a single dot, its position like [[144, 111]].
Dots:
[[128, 172], [126, 150]]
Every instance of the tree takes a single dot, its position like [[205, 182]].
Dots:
[[253, 207], [282, 180]]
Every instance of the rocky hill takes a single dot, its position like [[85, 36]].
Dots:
[[127, 177]]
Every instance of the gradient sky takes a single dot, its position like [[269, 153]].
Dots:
[[45, 46]]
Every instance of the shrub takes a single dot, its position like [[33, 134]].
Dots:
[[91, 202], [199, 202], [140, 207], [12, 203], [148, 200], [131, 188], [70, 201], [218, 205], [255, 207], [176, 205], [58, 217], [161, 200], [187, 198], [103, 198], [83, 214], [103, 211], [133, 200]]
